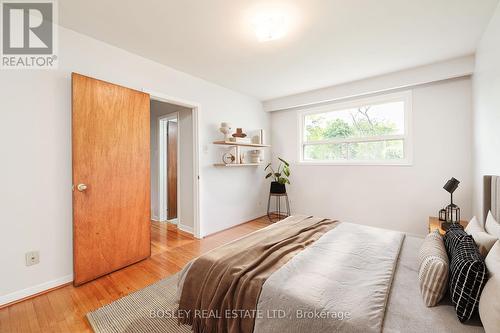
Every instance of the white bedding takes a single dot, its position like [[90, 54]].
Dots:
[[345, 276], [321, 278]]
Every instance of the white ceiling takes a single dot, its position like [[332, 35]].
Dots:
[[329, 42]]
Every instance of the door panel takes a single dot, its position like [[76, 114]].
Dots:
[[111, 218], [172, 170]]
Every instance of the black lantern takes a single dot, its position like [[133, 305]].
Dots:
[[442, 215], [452, 210]]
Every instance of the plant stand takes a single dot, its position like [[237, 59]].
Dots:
[[278, 215]]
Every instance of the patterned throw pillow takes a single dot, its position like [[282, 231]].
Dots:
[[467, 272], [434, 268], [453, 237]]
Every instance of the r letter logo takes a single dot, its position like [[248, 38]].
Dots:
[[28, 30]]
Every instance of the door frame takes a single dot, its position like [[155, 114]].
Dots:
[[163, 165], [195, 107]]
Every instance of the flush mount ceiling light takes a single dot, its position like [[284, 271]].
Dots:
[[270, 25]]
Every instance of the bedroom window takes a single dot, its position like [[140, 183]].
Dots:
[[367, 131]]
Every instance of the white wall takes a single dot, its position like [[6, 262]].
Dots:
[[159, 109], [395, 197], [35, 148], [487, 109]]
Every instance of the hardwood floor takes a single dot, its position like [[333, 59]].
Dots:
[[64, 309]]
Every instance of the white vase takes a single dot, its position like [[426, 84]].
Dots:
[[225, 129]]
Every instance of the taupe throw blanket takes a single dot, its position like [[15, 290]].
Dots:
[[231, 277]]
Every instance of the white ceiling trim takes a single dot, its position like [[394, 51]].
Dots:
[[454, 68]]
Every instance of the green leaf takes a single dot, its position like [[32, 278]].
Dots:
[[269, 175], [284, 162], [277, 174], [288, 181], [267, 166], [286, 171]]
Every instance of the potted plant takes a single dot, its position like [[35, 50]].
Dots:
[[280, 176]]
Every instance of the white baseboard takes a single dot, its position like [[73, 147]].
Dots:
[[185, 228], [17, 295], [174, 221]]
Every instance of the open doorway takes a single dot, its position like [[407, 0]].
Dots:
[[168, 155], [173, 176]]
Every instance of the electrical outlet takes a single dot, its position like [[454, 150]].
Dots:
[[32, 258]]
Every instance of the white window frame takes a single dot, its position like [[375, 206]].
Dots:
[[407, 137]]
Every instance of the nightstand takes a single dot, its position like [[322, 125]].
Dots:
[[434, 224]]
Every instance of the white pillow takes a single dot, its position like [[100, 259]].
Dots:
[[473, 226], [489, 303], [492, 260], [492, 226], [484, 241]]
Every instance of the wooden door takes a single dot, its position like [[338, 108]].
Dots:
[[111, 195], [172, 170]]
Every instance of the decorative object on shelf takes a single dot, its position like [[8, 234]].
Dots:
[[452, 210], [237, 154], [442, 215], [240, 140], [231, 156], [254, 156], [257, 137], [239, 133], [225, 129], [228, 158]]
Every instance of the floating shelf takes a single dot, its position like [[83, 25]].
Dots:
[[236, 165], [229, 143]]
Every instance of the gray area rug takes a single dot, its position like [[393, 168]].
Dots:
[[146, 310]]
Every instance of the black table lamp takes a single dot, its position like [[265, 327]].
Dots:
[[452, 210]]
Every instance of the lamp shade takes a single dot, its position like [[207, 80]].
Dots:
[[451, 185]]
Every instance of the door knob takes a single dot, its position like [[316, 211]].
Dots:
[[81, 187]]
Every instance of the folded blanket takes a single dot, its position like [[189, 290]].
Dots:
[[220, 289]]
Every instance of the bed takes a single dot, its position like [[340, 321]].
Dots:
[[340, 277]]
